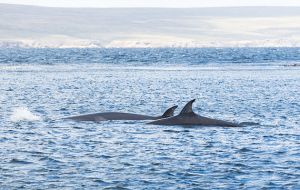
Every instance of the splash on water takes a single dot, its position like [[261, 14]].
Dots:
[[23, 114]]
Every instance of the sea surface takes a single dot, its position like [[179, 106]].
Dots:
[[39, 150]]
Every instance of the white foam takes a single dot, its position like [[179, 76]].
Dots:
[[23, 114]]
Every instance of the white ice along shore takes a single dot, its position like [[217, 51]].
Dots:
[[44, 27]]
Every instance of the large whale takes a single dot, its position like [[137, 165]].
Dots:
[[97, 117], [188, 117]]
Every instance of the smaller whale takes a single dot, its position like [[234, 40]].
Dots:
[[97, 117], [188, 117]]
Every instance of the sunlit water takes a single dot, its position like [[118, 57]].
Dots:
[[38, 150]]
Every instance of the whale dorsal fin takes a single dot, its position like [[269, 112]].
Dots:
[[169, 112], [188, 108]]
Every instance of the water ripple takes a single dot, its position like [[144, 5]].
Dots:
[[52, 153]]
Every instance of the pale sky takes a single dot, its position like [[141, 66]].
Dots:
[[153, 3]]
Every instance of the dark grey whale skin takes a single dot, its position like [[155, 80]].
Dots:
[[105, 116], [188, 117]]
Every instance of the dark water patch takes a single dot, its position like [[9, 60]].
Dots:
[[245, 150], [48, 159], [33, 152], [249, 124], [102, 182], [9, 89], [280, 152], [171, 131], [176, 131], [126, 164], [106, 156], [116, 187], [18, 161], [29, 133]]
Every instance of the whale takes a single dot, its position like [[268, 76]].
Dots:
[[105, 116], [188, 117]]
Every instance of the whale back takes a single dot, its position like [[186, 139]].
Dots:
[[188, 117], [169, 112]]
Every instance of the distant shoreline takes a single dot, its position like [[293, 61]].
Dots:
[[225, 47], [44, 27]]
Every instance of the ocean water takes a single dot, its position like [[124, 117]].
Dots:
[[39, 150]]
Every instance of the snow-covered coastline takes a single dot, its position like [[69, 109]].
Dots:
[[147, 44], [44, 27], [49, 44]]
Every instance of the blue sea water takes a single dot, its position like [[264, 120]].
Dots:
[[38, 150]]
